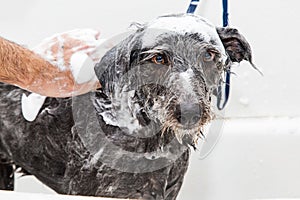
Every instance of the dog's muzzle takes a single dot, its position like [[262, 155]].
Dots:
[[188, 114]]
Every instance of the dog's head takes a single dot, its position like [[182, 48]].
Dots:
[[166, 73]]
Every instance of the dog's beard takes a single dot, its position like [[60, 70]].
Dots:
[[127, 108], [164, 114], [186, 134]]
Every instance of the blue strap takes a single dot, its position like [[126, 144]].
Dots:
[[227, 78], [225, 13], [220, 92], [193, 5]]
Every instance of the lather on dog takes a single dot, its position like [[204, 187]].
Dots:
[[131, 138]]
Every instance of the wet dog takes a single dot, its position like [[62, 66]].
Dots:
[[131, 138]]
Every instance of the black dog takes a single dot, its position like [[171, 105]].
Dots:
[[132, 138]]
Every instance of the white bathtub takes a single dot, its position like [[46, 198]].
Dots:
[[254, 159]]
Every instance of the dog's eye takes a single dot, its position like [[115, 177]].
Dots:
[[159, 59], [208, 56]]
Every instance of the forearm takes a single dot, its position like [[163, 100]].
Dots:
[[22, 67]]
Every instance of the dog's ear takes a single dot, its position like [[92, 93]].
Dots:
[[106, 68], [236, 45], [115, 63]]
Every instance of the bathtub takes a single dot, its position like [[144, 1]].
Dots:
[[256, 158]]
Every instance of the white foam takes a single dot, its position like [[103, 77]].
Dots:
[[125, 116], [88, 37], [183, 24], [82, 67], [31, 105], [185, 80]]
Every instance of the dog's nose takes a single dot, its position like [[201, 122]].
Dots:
[[188, 114]]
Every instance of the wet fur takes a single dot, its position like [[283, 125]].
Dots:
[[53, 148]]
